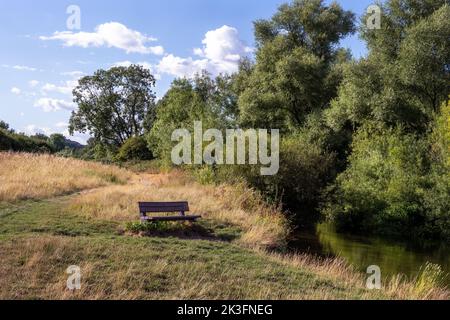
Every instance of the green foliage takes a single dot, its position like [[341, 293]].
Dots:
[[58, 141], [405, 77], [10, 141], [114, 105], [397, 181], [135, 148], [297, 63], [431, 276], [309, 24], [441, 136], [305, 170], [20, 142], [201, 99], [156, 226], [100, 152], [4, 125], [391, 187]]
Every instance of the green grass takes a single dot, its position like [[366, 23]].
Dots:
[[49, 217], [40, 239]]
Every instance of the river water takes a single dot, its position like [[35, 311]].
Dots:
[[392, 257]]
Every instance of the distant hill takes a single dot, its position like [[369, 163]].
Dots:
[[74, 144]]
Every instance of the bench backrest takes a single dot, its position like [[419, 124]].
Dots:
[[181, 206]]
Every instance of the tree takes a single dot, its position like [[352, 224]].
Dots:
[[114, 105], [397, 177], [134, 148], [406, 75], [297, 64], [203, 98], [393, 186], [58, 141], [4, 125]]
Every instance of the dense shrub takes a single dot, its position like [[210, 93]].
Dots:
[[391, 187], [10, 141], [305, 170], [134, 148]]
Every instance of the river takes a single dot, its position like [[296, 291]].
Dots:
[[361, 252]]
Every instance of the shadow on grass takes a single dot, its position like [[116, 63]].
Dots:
[[185, 231]]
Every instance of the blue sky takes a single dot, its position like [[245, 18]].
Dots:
[[41, 59]]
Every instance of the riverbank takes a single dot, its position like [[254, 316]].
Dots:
[[235, 252], [393, 256]]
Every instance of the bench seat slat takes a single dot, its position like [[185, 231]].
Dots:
[[177, 218], [181, 206]]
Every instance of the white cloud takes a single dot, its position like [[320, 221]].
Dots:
[[16, 91], [198, 51], [33, 83], [83, 62], [19, 67], [144, 64], [51, 105], [24, 68], [61, 125], [222, 49], [33, 129], [111, 34], [182, 67], [65, 89], [75, 74]]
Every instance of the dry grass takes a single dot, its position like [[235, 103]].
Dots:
[[35, 268], [32, 176], [262, 226], [424, 287]]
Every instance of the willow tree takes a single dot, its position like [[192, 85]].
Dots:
[[296, 63], [406, 75]]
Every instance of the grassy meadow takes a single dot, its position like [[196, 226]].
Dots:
[[30, 176], [57, 212]]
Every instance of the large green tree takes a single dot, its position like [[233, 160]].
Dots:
[[394, 103], [297, 64], [406, 75], [114, 105], [212, 101]]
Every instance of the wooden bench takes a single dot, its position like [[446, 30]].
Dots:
[[166, 207]]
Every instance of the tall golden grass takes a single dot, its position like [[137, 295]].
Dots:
[[262, 225], [33, 176], [425, 287]]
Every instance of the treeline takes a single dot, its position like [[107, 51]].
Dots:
[[365, 142], [38, 143]]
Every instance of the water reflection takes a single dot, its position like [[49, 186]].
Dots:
[[392, 257]]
